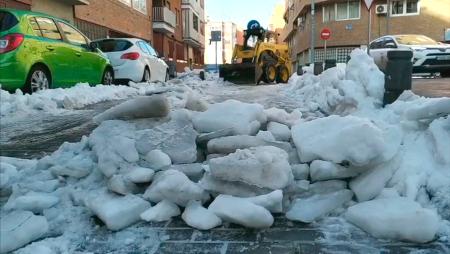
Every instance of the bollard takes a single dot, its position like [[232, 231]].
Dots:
[[202, 75], [300, 70], [398, 74], [330, 63], [318, 68]]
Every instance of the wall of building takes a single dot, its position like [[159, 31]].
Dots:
[[118, 17], [225, 47], [432, 21], [55, 8], [15, 4]]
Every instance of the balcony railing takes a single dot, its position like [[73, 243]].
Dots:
[[164, 20], [163, 14]]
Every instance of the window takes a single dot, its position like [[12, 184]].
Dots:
[[151, 50], [7, 21], [127, 2], [405, 7], [48, 28], [350, 9], [72, 35], [195, 20], [140, 5], [376, 44], [35, 26], [111, 45], [328, 13]]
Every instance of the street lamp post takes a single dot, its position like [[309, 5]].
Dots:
[[313, 33]]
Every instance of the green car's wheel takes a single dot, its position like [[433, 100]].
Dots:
[[38, 79], [108, 77]]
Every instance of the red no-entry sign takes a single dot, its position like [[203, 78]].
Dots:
[[325, 34]]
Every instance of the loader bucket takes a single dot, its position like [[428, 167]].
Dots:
[[242, 73]]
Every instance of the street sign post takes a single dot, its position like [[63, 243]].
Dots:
[[325, 35], [368, 5], [216, 36]]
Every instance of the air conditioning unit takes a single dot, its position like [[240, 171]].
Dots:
[[381, 9]]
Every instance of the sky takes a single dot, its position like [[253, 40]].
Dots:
[[240, 11]]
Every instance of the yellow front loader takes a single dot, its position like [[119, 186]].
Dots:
[[258, 60]]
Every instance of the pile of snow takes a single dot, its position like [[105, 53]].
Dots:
[[383, 169], [341, 90]]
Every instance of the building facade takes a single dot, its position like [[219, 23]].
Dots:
[[115, 18], [225, 47], [193, 13], [168, 32], [97, 19], [349, 22]]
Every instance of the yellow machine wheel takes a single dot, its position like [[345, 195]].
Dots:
[[283, 74], [270, 72]]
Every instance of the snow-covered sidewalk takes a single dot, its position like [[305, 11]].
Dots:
[[338, 155]]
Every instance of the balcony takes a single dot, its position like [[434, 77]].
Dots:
[[164, 20]]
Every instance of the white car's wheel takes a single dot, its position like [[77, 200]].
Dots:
[[146, 76]]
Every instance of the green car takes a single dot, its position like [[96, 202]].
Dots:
[[38, 52]]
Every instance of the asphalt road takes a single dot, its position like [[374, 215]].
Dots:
[[431, 87]]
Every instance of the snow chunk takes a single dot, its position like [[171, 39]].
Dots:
[[122, 185], [309, 209], [176, 187], [244, 118], [158, 160], [439, 131], [266, 136], [362, 69], [117, 212], [349, 138], [175, 138], [140, 107], [369, 184], [429, 109], [300, 171], [238, 189], [20, 228], [162, 211], [265, 167], [193, 171], [241, 211], [281, 116], [34, 202], [272, 201], [325, 170], [396, 219], [280, 131], [140, 175], [114, 144], [196, 216], [230, 144]]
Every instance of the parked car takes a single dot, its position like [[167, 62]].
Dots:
[[134, 59], [429, 56], [39, 51]]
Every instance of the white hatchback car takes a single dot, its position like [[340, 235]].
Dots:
[[429, 56], [134, 59]]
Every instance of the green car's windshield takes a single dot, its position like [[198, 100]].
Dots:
[[114, 45], [415, 40], [7, 21]]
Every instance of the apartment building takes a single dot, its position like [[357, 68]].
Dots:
[[276, 21], [193, 13], [168, 32], [348, 21], [97, 18], [115, 18], [225, 47], [61, 9]]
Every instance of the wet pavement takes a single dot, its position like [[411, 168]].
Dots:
[[432, 87]]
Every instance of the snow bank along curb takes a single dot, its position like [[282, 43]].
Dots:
[[239, 163]]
